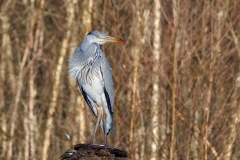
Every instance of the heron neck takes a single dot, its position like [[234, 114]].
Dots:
[[86, 46]]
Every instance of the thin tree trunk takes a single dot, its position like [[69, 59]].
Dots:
[[6, 65], [6, 43], [207, 105], [26, 133], [157, 32], [133, 106], [5, 56], [53, 104], [37, 51], [81, 120], [195, 137], [28, 110], [87, 16], [205, 22], [142, 128], [3, 124], [135, 53], [174, 83]]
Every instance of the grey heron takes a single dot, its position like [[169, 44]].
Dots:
[[92, 71]]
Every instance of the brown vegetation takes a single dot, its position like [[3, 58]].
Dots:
[[177, 84]]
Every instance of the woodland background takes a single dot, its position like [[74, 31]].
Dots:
[[177, 84]]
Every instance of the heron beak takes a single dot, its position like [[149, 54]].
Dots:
[[112, 39]]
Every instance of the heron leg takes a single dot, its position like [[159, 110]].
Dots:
[[99, 115], [105, 124]]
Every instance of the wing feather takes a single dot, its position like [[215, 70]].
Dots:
[[108, 83], [86, 98]]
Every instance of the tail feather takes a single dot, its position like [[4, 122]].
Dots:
[[110, 131]]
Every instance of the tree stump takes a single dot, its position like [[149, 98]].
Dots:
[[94, 152]]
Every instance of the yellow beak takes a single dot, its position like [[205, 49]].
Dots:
[[112, 39]]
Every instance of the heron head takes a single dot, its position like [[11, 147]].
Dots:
[[101, 38]]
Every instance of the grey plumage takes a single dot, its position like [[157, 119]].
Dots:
[[92, 71]]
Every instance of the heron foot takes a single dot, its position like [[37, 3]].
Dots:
[[90, 143]]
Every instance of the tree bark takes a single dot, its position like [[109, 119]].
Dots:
[[175, 9], [157, 32], [35, 56], [6, 65], [135, 53]]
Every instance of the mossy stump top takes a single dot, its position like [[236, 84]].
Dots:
[[94, 152]]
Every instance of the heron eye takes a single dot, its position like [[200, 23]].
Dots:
[[99, 36]]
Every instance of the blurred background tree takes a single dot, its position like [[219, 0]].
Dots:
[[177, 84]]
